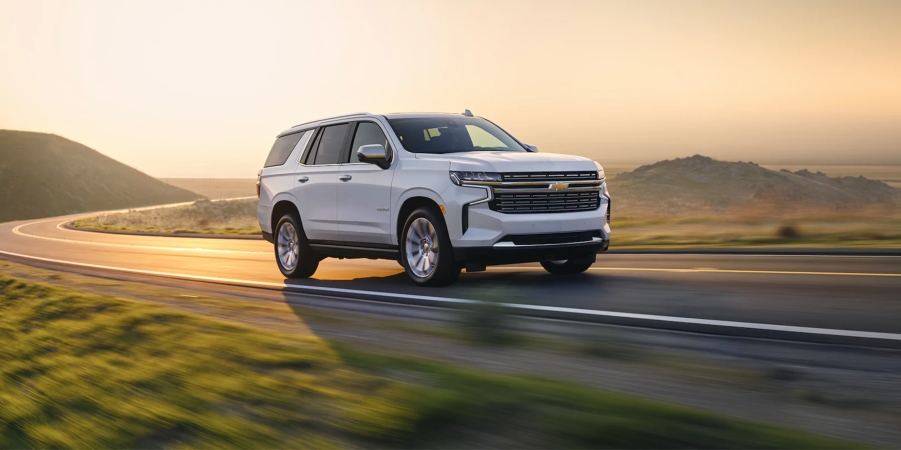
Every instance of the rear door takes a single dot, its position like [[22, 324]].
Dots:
[[314, 183], [364, 191]]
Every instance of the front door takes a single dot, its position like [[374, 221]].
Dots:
[[364, 191]]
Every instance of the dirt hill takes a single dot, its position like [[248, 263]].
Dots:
[[45, 175], [700, 183]]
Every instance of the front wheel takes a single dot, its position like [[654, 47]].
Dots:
[[426, 251], [565, 267], [293, 254]]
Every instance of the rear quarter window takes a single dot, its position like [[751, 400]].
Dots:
[[282, 149]]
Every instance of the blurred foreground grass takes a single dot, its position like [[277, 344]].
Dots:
[[80, 370], [236, 217]]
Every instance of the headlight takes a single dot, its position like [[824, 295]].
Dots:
[[601, 175], [461, 177]]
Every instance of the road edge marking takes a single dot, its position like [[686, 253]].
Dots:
[[17, 230], [798, 330]]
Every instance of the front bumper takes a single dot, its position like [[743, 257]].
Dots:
[[503, 253], [471, 223]]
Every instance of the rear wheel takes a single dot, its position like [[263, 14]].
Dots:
[[565, 267], [426, 251], [293, 254]]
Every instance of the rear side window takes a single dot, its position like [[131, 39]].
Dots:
[[282, 149], [367, 133], [331, 142]]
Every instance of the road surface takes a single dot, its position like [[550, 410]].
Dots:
[[838, 294]]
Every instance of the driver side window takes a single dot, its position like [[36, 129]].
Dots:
[[368, 133]]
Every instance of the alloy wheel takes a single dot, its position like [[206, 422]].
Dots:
[[422, 247], [288, 246]]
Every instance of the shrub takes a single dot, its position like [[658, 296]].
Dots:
[[788, 232], [486, 322]]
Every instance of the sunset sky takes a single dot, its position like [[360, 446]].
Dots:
[[201, 88]]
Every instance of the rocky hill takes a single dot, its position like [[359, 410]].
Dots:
[[45, 175], [702, 183]]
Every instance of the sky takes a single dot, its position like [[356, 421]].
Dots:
[[195, 88]]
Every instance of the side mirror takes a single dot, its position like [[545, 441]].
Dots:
[[374, 154], [531, 148]]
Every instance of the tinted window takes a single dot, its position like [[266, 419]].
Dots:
[[282, 148], [452, 135], [367, 133], [331, 143], [310, 153]]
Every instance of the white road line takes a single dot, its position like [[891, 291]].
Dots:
[[764, 255], [17, 230], [524, 307], [703, 270]]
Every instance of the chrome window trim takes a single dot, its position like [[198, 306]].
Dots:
[[393, 151], [325, 119], [308, 134]]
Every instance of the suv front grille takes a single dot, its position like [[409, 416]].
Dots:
[[545, 202], [549, 176], [547, 192]]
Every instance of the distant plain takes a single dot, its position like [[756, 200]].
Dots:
[[751, 225]]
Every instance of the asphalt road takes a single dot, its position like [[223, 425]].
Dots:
[[835, 292]]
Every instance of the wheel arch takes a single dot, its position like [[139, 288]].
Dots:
[[279, 209], [421, 198]]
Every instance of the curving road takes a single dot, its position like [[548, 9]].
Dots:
[[820, 297]]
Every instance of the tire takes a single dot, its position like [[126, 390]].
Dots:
[[297, 260], [565, 267], [426, 263]]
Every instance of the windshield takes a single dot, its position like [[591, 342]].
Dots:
[[452, 135]]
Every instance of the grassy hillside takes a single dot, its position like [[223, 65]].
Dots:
[[44, 175], [689, 186], [235, 217]]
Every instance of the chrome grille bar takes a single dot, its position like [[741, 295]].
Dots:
[[546, 192]]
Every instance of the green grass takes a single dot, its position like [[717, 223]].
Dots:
[[84, 371], [841, 230], [534, 409], [201, 217]]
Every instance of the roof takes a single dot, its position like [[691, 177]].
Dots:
[[403, 115]]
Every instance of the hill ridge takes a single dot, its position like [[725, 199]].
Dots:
[[671, 186], [45, 175]]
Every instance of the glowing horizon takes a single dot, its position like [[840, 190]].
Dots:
[[201, 88]]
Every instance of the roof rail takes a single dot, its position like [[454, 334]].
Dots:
[[334, 117]]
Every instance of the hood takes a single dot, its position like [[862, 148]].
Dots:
[[512, 162]]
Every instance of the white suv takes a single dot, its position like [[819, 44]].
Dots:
[[436, 192]]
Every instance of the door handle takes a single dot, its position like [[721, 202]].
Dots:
[[303, 179], [345, 177]]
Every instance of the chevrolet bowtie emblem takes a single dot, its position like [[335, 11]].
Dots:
[[559, 186]]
